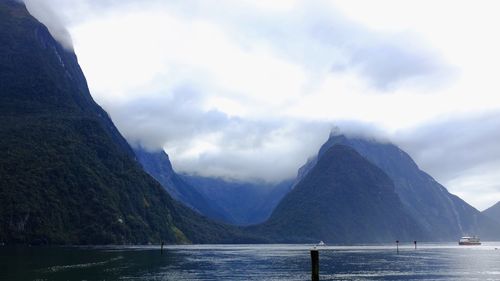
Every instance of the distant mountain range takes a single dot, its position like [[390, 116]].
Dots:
[[430, 212], [493, 212], [243, 203], [234, 202], [67, 176]]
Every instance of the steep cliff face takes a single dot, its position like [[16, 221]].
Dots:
[[442, 215], [343, 199], [493, 212], [66, 173], [39, 76]]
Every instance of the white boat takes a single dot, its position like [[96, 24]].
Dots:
[[469, 240], [321, 243]]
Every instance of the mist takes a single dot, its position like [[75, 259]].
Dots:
[[45, 13]]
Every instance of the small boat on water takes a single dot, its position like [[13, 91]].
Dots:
[[321, 243], [469, 240]]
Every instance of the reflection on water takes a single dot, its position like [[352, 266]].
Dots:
[[251, 262]]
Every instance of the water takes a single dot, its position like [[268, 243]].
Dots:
[[252, 262]]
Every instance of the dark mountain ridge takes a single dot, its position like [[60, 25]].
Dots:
[[342, 199], [442, 215]]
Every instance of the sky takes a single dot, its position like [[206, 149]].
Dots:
[[249, 90]]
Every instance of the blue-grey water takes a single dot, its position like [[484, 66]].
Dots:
[[252, 262]]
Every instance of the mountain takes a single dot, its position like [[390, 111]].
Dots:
[[67, 176], [158, 165], [493, 212], [342, 199], [233, 202], [442, 215], [243, 203]]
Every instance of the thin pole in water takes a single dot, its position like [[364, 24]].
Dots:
[[415, 242], [397, 246], [161, 249], [315, 265]]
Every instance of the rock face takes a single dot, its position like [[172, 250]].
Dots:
[[66, 173], [342, 199], [493, 212], [442, 215], [158, 165]]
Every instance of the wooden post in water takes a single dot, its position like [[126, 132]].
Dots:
[[415, 242], [397, 246], [314, 265], [162, 244]]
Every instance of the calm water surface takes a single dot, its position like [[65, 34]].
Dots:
[[252, 262]]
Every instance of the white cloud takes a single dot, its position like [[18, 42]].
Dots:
[[45, 13], [233, 88]]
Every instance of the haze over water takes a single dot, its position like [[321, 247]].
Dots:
[[252, 262]]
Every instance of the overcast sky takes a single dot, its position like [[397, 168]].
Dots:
[[250, 89]]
